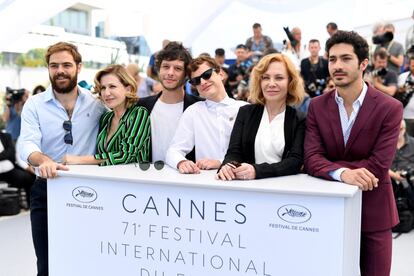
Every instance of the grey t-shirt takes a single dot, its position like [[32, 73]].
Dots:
[[395, 49]]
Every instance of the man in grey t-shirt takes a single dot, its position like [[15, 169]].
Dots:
[[383, 80], [394, 49]]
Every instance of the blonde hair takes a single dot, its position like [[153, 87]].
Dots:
[[296, 91], [123, 76]]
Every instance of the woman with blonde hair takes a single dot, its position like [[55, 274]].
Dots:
[[267, 137], [124, 132]]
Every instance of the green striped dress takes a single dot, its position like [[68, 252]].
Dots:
[[130, 142]]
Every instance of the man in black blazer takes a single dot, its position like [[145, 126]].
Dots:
[[167, 106], [10, 172]]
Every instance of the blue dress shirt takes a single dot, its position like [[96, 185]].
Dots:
[[42, 125], [347, 123], [13, 125]]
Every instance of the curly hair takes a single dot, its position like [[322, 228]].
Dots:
[[352, 38], [173, 51], [296, 91]]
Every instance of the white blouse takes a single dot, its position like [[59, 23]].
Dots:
[[270, 139]]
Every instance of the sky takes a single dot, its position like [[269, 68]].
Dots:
[[207, 25], [204, 25]]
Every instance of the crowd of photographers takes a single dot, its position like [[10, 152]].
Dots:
[[13, 171], [391, 71]]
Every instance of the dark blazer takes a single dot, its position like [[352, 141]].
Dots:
[[149, 102], [9, 152], [371, 144], [243, 136]]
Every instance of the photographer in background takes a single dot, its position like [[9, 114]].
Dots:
[[384, 38], [409, 37], [220, 57], [15, 99], [402, 174], [314, 70], [258, 44], [10, 171], [380, 77], [404, 157], [406, 90], [331, 28], [238, 72], [294, 48]]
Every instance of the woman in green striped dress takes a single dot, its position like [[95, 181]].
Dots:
[[124, 132]]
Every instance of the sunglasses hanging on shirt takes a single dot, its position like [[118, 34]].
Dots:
[[68, 138]]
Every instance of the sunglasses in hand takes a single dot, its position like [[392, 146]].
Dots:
[[234, 164]]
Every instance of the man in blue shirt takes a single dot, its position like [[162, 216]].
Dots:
[[62, 120]]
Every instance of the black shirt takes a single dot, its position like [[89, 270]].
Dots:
[[404, 157], [314, 75]]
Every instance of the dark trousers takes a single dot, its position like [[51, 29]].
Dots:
[[38, 217], [19, 178], [376, 253]]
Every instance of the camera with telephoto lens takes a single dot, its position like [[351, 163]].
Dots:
[[293, 41], [405, 93], [14, 96], [410, 82], [380, 72], [408, 174], [383, 39], [316, 87]]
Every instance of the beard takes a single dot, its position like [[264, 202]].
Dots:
[[179, 84], [63, 89]]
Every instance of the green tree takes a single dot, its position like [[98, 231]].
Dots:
[[33, 58]]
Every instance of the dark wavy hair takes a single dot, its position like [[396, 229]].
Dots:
[[173, 51], [352, 38]]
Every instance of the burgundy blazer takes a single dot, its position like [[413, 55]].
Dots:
[[371, 144]]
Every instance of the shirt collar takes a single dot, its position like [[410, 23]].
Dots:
[[359, 100], [49, 95], [226, 101]]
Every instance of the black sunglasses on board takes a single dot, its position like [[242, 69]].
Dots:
[[205, 76], [158, 165]]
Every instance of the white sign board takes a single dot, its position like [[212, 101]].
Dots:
[[106, 227]]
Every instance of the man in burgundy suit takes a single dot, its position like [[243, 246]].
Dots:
[[351, 137]]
